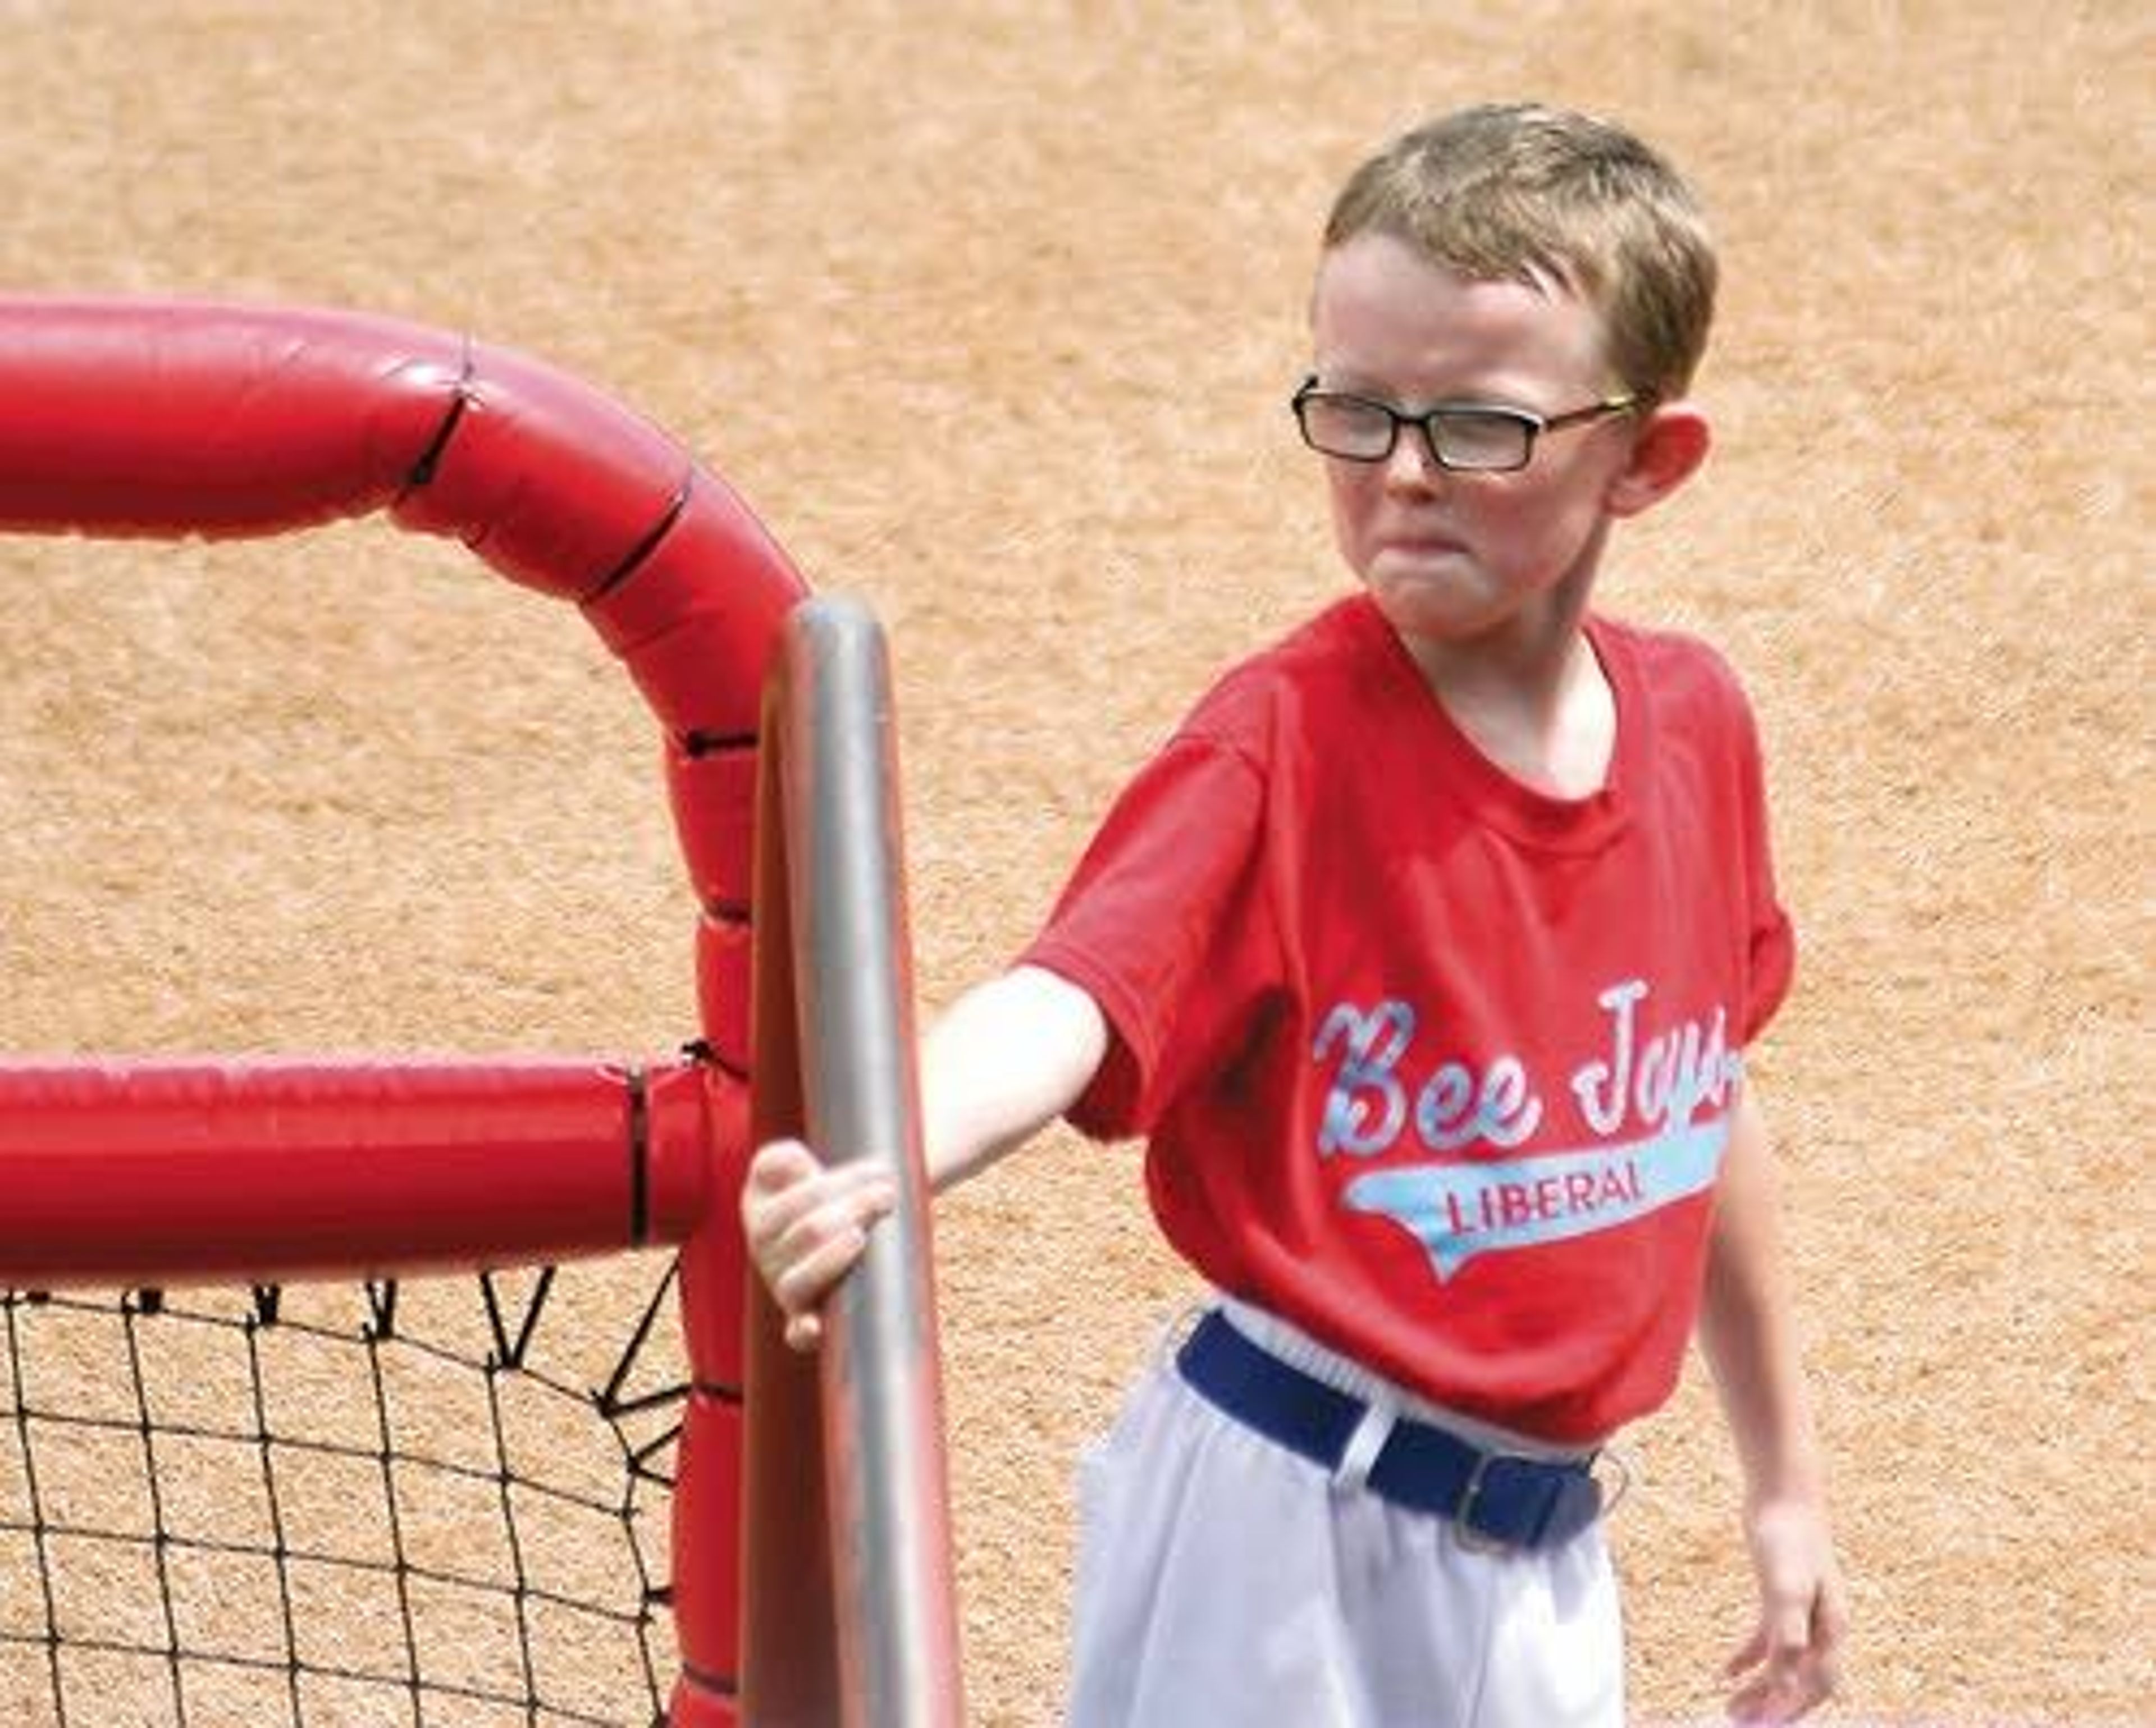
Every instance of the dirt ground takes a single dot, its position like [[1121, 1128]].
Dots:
[[990, 311]]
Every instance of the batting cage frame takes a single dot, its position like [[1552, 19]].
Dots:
[[808, 1575]]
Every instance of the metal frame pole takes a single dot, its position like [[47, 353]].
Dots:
[[831, 807]]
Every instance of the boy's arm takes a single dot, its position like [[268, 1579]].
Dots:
[[1006, 1059], [1748, 1334], [1009, 1057]]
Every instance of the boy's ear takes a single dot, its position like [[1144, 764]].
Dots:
[[1667, 449]]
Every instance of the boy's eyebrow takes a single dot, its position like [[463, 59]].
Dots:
[[1357, 384], [1469, 385]]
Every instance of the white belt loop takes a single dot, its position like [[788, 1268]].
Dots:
[[1167, 1343], [1620, 1461], [1352, 1474]]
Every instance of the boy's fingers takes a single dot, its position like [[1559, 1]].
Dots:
[[789, 1188], [1786, 1679], [776, 1170], [1748, 1655], [807, 1224], [804, 1230], [805, 1281]]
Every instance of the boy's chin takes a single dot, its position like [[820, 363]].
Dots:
[[1422, 609]]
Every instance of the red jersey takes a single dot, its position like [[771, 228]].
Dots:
[[1435, 1066]]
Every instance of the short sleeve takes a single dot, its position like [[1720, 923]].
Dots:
[[1771, 952], [1163, 923]]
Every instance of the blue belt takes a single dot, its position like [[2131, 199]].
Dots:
[[1497, 1499]]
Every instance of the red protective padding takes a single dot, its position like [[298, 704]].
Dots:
[[556, 486], [170, 418], [724, 986], [699, 647], [707, 1581], [707, 1493], [167, 419], [161, 1173], [123, 417], [714, 1287], [694, 1137], [713, 793]]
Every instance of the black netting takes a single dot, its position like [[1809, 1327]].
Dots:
[[438, 1504]]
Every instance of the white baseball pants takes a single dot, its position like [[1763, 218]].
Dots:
[[1224, 1582]]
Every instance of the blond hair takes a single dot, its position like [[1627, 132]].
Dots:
[[1520, 192]]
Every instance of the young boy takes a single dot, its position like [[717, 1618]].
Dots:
[[1423, 956]]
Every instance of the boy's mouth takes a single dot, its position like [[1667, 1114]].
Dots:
[[1421, 546]]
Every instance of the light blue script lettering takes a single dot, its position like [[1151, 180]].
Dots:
[[1364, 1083], [1664, 1079], [1366, 1104]]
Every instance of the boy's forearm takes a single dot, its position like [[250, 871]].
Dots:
[[1748, 1329], [1007, 1059]]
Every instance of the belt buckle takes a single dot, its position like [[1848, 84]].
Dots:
[[1464, 1530], [1478, 1541]]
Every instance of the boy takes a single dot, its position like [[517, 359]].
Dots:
[[1424, 957]]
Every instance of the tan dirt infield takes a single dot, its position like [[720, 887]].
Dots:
[[990, 311]]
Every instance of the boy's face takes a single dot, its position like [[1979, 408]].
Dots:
[[1456, 559]]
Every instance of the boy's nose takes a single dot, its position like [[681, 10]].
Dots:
[[1413, 466]]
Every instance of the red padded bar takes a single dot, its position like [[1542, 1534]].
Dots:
[[714, 801], [555, 485], [714, 532], [702, 675], [153, 1172], [707, 1581], [695, 1142], [725, 962], [707, 1496], [131, 417], [698, 620]]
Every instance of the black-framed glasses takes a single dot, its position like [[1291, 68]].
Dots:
[[1462, 436]]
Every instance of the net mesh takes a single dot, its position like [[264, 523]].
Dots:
[[439, 1503]]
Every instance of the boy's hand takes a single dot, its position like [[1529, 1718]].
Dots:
[[1790, 1663], [807, 1224]]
